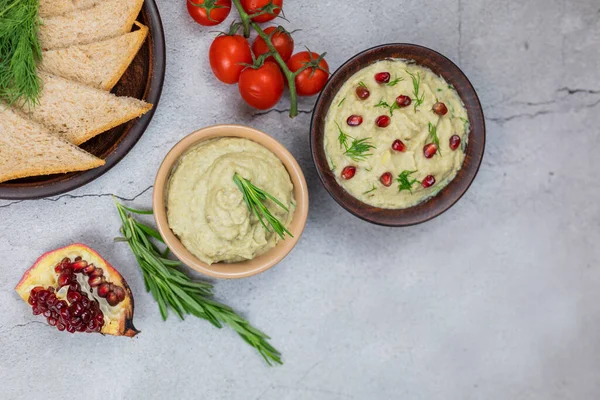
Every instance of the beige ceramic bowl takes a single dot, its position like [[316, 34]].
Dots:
[[246, 268]]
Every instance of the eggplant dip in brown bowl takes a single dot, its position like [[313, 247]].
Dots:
[[398, 134]]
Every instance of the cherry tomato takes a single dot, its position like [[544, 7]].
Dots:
[[283, 42], [262, 87], [209, 12], [227, 54], [255, 6], [310, 81]]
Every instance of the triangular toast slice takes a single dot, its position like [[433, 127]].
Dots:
[[28, 149], [105, 20], [99, 64], [78, 112], [51, 8]]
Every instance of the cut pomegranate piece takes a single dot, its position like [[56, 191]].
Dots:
[[398, 145], [354, 120], [386, 179], [362, 92], [60, 286], [429, 181], [403, 101], [383, 121], [382, 77], [440, 108], [454, 142], [348, 172], [429, 150]]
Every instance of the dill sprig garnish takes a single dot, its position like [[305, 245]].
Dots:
[[395, 81], [173, 289], [405, 182], [358, 150], [384, 104], [434, 137], [255, 199], [341, 102], [374, 188], [416, 80], [19, 51], [362, 84]]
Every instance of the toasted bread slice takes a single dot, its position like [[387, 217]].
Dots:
[[28, 149], [51, 8], [105, 20], [99, 64], [78, 112]]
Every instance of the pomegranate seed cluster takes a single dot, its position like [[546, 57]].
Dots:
[[78, 313]]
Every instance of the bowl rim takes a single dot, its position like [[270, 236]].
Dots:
[[399, 217], [245, 268]]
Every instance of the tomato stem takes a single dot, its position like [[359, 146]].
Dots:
[[289, 75]]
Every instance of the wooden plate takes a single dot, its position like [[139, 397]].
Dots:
[[143, 80], [448, 196]]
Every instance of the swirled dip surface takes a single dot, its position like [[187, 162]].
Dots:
[[206, 210], [407, 124]]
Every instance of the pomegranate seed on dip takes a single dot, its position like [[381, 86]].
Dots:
[[424, 140]]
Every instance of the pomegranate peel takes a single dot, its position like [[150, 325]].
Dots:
[[58, 286]]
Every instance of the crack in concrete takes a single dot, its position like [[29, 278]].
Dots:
[[72, 196], [502, 120], [280, 112], [22, 325], [576, 91]]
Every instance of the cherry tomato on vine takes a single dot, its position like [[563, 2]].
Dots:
[[282, 40], [227, 54], [310, 81], [273, 8], [209, 12], [262, 87]]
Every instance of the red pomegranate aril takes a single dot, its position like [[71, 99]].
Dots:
[[403, 101], [103, 289], [79, 265], [386, 179], [89, 269], [74, 286], [95, 281], [36, 290], [36, 311], [440, 108], [73, 297], [71, 329], [60, 305], [362, 92], [428, 181], [47, 313], [99, 319], [60, 326], [112, 299], [429, 150], [383, 121], [51, 300], [64, 313], [398, 145], [96, 272], [354, 120], [43, 295], [32, 300], [51, 321], [348, 172], [63, 279], [454, 142], [382, 77], [120, 292], [86, 316]]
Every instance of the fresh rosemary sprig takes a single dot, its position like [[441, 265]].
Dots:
[[395, 81], [19, 51], [255, 199], [359, 149], [416, 80], [384, 104], [405, 182], [434, 137], [174, 290]]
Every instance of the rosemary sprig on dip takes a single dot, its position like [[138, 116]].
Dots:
[[433, 137], [405, 182], [416, 80], [358, 150], [384, 104], [19, 51], [255, 199], [174, 290]]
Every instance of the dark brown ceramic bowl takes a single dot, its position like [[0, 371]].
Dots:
[[448, 196], [143, 80]]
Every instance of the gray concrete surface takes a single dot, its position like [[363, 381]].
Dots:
[[497, 299]]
